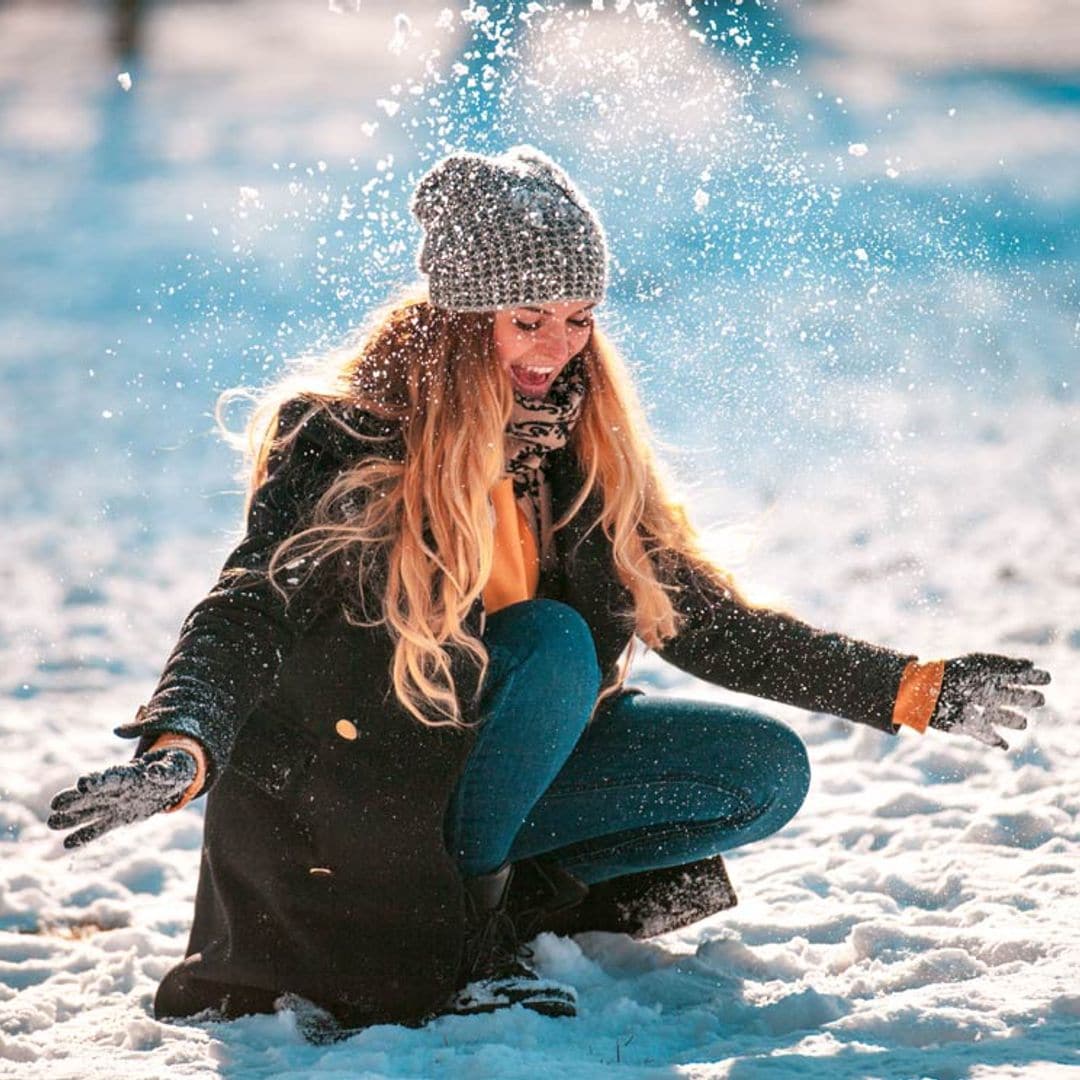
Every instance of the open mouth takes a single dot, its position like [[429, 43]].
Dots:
[[530, 379]]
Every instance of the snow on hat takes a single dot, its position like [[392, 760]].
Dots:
[[507, 231]]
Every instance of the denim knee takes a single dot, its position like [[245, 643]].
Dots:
[[792, 771], [775, 776], [551, 637]]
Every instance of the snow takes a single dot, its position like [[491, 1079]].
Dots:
[[403, 33], [898, 459], [918, 914]]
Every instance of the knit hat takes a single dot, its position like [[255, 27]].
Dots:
[[507, 231]]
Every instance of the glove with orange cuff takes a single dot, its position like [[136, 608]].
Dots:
[[167, 777], [969, 695]]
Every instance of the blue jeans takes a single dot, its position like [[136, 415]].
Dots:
[[651, 782]]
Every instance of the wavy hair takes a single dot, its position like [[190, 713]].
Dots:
[[410, 536]]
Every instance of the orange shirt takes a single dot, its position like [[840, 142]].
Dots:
[[515, 567]]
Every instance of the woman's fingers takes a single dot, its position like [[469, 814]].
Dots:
[[118, 795], [1018, 698], [1007, 669], [66, 799], [159, 768], [68, 819], [1033, 677], [111, 781], [106, 816], [91, 783], [996, 664], [90, 832], [978, 728], [1011, 669], [1005, 718], [95, 790], [981, 690], [74, 802]]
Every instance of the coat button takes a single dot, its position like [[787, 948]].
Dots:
[[346, 729]]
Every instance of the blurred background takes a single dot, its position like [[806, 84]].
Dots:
[[843, 234]]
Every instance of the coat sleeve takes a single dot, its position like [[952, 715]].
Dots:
[[774, 655], [233, 641]]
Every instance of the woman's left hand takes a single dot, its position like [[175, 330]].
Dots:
[[980, 690]]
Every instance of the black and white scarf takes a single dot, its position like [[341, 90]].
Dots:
[[536, 427]]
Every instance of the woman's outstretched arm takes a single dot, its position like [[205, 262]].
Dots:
[[774, 655], [235, 639], [230, 648]]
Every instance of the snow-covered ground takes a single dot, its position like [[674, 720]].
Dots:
[[920, 916]]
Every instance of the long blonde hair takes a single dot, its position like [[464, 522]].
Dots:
[[416, 531]]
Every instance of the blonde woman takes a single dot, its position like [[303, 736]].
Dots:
[[404, 697]]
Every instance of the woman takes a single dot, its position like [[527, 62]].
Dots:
[[403, 697]]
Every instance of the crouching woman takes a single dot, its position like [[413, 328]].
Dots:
[[404, 698]]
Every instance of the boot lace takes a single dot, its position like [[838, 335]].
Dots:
[[496, 949]]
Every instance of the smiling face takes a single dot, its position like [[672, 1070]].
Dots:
[[533, 344]]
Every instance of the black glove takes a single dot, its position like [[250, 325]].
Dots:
[[981, 689], [122, 794]]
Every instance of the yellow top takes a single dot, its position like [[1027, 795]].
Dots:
[[515, 567]]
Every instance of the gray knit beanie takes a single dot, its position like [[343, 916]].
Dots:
[[507, 231]]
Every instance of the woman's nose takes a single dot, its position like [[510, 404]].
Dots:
[[556, 343]]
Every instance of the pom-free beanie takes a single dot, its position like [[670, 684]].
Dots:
[[507, 231]]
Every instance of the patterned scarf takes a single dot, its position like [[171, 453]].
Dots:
[[536, 427]]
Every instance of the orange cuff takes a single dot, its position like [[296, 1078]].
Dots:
[[194, 748], [919, 688]]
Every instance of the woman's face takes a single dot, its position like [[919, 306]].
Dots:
[[533, 344]]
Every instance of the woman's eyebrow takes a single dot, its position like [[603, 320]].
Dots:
[[548, 311]]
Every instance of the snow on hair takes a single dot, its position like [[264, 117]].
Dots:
[[425, 519]]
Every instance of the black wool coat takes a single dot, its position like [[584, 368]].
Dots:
[[324, 871]]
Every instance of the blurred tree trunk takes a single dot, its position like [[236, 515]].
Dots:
[[126, 24]]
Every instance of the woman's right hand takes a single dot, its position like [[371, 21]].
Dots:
[[980, 690], [158, 780]]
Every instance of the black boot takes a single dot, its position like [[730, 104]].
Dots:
[[495, 969], [543, 896], [546, 897]]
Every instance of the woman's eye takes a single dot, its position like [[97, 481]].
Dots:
[[582, 324]]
